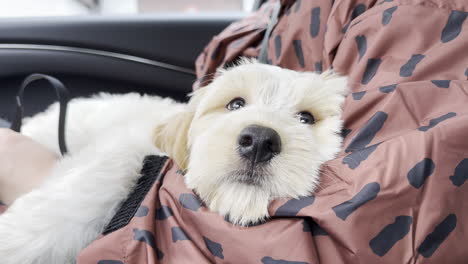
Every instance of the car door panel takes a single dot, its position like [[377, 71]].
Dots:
[[152, 54]]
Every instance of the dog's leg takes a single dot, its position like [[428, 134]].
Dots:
[[51, 224]]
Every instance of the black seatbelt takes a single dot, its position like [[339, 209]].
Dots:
[[263, 55], [62, 95]]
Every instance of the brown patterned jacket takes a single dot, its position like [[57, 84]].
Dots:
[[397, 191]]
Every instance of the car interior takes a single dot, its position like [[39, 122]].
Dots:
[[148, 54], [390, 185]]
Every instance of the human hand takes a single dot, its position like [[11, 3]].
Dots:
[[24, 164]]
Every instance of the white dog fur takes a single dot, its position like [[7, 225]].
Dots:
[[109, 135]]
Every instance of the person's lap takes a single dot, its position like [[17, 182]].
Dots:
[[24, 164]]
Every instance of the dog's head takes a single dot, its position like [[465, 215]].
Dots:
[[256, 133]]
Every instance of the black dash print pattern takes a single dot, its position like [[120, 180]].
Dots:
[[148, 238], [278, 46], [163, 213], [434, 122], [354, 159], [318, 67], [441, 83], [387, 15], [367, 133], [366, 194], [358, 95], [142, 211], [293, 206], [190, 201], [178, 234], [461, 173], [454, 25], [215, 248], [315, 22], [390, 235], [297, 6], [107, 261], [372, 66], [388, 88], [433, 241], [361, 43], [270, 260], [311, 226], [420, 172], [297, 43], [408, 68], [357, 11]]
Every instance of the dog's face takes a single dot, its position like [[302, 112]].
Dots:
[[257, 133]]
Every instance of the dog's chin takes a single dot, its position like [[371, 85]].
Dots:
[[241, 203], [248, 175], [241, 195]]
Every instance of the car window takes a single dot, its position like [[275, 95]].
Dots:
[[26, 8]]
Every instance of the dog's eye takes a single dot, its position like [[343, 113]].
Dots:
[[235, 104], [306, 117]]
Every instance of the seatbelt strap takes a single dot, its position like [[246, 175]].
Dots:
[[62, 95]]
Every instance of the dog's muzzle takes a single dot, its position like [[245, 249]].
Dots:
[[259, 144]]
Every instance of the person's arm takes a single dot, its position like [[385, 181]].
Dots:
[[24, 164]]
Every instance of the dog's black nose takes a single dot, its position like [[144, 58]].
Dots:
[[258, 143]]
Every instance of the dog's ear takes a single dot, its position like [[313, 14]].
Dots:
[[171, 136]]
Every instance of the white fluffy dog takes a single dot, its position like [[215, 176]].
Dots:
[[257, 133]]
